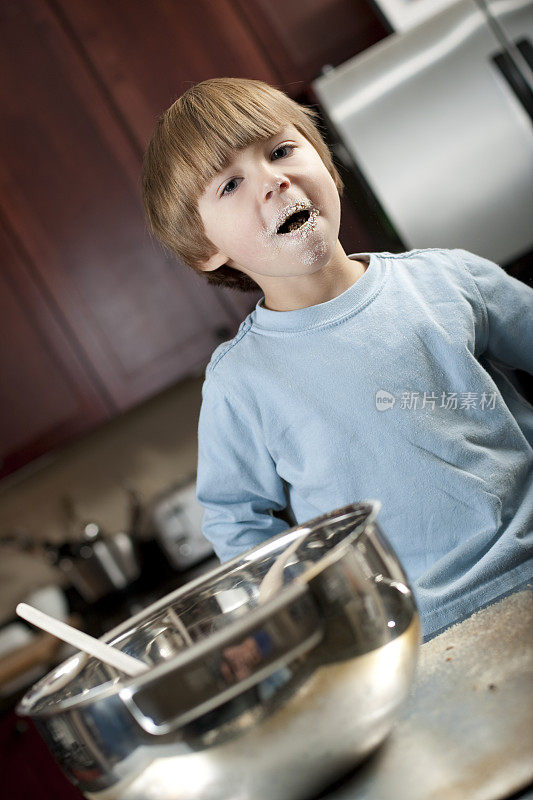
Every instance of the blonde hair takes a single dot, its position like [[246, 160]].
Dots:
[[195, 139]]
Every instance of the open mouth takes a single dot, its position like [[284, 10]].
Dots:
[[299, 219], [295, 221]]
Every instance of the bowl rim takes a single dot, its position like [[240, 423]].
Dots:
[[288, 594]]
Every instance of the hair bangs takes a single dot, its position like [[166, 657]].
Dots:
[[215, 126]]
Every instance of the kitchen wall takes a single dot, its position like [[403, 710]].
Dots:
[[151, 447]]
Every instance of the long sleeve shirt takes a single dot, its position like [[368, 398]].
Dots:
[[399, 389]]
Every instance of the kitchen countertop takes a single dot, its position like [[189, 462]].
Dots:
[[466, 729]]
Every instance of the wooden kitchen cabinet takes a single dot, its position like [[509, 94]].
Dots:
[[47, 396], [97, 317], [70, 194], [147, 54]]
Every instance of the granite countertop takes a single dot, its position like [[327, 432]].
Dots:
[[466, 729]]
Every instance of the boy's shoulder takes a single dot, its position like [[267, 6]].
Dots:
[[456, 259], [432, 256], [421, 258], [224, 352], [445, 269]]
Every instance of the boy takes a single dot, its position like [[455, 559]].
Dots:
[[374, 375]]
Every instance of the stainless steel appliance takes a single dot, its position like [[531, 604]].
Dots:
[[175, 517], [247, 696], [438, 121]]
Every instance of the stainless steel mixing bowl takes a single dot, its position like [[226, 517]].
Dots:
[[245, 699]]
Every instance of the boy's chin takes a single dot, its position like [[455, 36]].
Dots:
[[283, 265]]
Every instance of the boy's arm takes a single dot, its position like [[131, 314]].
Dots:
[[237, 483], [507, 306]]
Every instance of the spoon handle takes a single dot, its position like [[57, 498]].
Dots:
[[94, 647]]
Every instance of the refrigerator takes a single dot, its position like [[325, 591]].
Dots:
[[437, 123]]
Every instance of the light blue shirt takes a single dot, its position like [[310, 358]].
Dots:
[[395, 390]]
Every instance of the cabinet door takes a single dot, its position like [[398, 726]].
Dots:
[[147, 54], [306, 36], [69, 190], [46, 395]]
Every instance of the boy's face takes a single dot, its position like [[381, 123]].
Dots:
[[244, 207]]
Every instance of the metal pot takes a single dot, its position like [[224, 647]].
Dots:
[[95, 564], [98, 565], [245, 699]]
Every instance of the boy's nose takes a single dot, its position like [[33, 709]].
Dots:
[[275, 185]]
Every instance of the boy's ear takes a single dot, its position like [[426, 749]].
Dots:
[[214, 262]]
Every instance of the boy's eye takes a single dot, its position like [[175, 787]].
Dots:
[[282, 151], [230, 186]]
